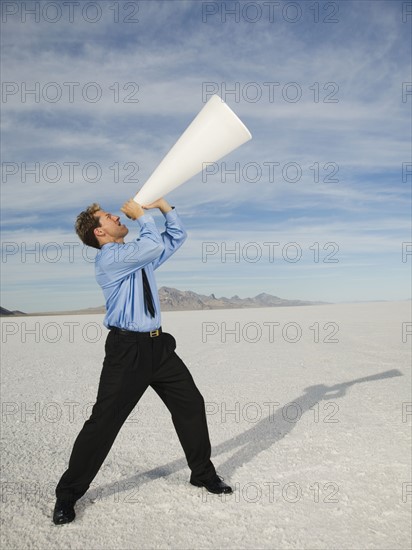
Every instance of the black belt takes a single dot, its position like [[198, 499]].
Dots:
[[150, 334]]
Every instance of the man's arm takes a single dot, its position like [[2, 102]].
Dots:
[[120, 260], [175, 234], [161, 204]]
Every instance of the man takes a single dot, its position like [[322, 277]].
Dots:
[[138, 353]]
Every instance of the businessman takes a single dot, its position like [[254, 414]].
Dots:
[[138, 353]]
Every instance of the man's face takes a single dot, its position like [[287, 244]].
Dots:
[[110, 230]]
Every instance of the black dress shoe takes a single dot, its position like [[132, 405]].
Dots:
[[214, 485], [63, 511]]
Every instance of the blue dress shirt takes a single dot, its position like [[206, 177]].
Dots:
[[117, 268]]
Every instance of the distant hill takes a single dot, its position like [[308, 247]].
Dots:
[[172, 299], [4, 311]]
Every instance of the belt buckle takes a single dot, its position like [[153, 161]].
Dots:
[[154, 333]]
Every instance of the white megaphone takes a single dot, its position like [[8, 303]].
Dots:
[[215, 132]]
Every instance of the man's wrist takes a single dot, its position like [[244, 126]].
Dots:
[[165, 207], [137, 216]]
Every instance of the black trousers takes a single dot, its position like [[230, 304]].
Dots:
[[131, 364]]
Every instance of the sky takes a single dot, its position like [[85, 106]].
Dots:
[[317, 206]]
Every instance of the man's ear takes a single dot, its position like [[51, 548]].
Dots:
[[98, 231]]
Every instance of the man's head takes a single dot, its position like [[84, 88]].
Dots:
[[95, 227]]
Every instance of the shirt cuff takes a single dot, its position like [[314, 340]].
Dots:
[[171, 215]]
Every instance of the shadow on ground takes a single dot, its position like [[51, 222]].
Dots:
[[251, 442]]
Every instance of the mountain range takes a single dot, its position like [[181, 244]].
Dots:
[[172, 299]]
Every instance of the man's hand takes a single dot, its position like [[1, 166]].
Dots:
[[132, 209], [161, 204]]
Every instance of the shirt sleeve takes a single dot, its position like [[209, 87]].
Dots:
[[118, 261], [173, 237]]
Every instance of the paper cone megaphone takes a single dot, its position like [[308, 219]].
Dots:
[[215, 132]]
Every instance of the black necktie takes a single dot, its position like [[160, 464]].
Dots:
[[148, 298]]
